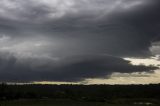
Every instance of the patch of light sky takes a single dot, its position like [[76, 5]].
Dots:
[[124, 78]]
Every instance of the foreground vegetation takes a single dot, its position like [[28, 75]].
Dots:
[[79, 95], [67, 102]]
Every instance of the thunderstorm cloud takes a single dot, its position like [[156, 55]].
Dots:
[[71, 40]]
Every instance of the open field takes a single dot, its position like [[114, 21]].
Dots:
[[79, 95], [50, 102]]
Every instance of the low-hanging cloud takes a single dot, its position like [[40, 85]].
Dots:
[[77, 68]]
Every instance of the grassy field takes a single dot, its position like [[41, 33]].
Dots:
[[50, 102], [79, 95]]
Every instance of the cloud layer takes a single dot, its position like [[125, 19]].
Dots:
[[77, 68], [70, 40], [54, 9]]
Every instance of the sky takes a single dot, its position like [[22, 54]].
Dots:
[[80, 41]]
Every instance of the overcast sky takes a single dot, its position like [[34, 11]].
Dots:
[[79, 40]]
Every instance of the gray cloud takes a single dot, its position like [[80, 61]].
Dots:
[[76, 68], [53, 9], [37, 35], [119, 27]]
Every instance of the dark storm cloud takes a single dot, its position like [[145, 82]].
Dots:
[[120, 27], [122, 33], [41, 38], [75, 68]]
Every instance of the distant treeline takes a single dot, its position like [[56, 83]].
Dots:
[[79, 92]]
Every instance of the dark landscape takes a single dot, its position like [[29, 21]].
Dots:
[[79, 95]]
